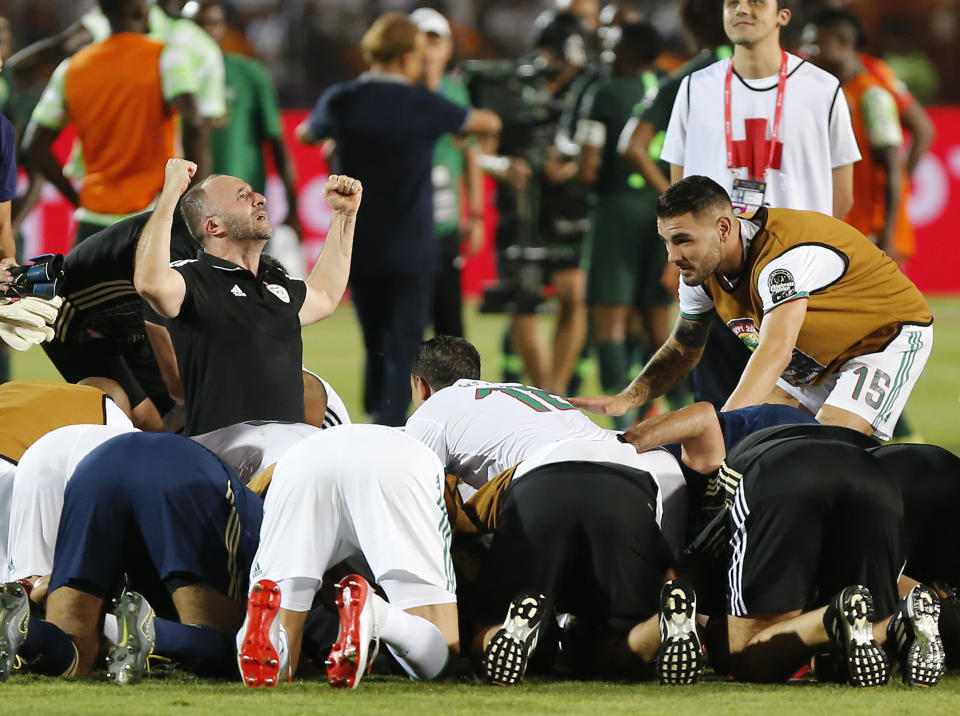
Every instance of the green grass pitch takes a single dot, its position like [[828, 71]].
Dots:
[[333, 348]]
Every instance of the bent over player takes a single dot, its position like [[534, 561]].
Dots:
[[833, 324], [356, 489]]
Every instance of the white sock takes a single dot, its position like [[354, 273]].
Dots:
[[414, 641]]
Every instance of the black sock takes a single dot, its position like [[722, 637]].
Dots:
[[200, 649], [47, 649]]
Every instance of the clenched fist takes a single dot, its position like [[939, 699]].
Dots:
[[343, 194], [178, 174]]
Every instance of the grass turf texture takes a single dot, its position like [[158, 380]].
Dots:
[[175, 693], [334, 349]]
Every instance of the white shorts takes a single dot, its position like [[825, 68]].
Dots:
[[874, 386], [37, 497], [359, 489]]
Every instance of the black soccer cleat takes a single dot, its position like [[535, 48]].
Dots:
[[849, 623], [914, 630], [680, 657], [506, 657], [14, 616]]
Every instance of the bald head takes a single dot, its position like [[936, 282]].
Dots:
[[223, 206]]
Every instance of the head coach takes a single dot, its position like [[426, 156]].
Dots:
[[235, 315]]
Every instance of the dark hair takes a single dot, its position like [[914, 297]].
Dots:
[[691, 195], [113, 8], [444, 360], [704, 20], [640, 41], [834, 17]]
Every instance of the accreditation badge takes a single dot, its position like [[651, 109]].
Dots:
[[747, 195]]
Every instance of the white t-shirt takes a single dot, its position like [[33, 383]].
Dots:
[[252, 446], [815, 132], [796, 273], [479, 429]]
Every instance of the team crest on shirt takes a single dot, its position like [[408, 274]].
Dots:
[[278, 291], [746, 330], [781, 285]]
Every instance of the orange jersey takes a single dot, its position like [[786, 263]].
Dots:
[[114, 96], [904, 239], [29, 410], [875, 125]]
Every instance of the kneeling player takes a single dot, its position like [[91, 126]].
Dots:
[[578, 531], [812, 515], [358, 489], [178, 522]]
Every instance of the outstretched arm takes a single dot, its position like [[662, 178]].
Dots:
[[696, 427], [669, 365], [778, 337], [161, 286], [328, 280]]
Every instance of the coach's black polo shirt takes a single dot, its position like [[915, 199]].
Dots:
[[238, 343]]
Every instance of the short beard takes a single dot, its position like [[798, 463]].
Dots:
[[246, 230]]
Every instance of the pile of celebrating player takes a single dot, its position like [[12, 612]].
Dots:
[[501, 525]]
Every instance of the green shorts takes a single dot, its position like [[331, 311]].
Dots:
[[624, 255]]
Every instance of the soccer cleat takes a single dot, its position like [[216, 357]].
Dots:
[[914, 630], [506, 657], [127, 660], [351, 655], [262, 656], [849, 623], [14, 616], [680, 657]]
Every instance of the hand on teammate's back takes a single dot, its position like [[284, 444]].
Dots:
[[604, 404]]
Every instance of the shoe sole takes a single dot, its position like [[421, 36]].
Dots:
[[258, 658], [14, 613], [506, 657], [350, 657], [925, 660], [680, 657], [866, 660], [127, 661]]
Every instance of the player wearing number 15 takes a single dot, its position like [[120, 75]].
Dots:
[[832, 324]]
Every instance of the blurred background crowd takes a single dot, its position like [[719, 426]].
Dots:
[[308, 45]]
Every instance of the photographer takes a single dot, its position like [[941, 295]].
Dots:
[[541, 203]]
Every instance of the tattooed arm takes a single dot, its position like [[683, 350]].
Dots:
[[669, 365]]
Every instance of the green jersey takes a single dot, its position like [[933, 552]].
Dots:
[[657, 112], [612, 102], [448, 165], [253, 117]]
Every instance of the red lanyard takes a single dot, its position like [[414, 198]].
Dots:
[[777, 115]]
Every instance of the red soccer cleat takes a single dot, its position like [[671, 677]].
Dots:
[[259, 657], [351, 655]]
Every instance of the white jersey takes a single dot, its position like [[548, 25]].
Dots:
[[660, 464], [365, 490], [336, 409], [479, 429], [36, 498], [252, 446], [816, 134]]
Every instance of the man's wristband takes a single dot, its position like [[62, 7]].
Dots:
[[493, 164]]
